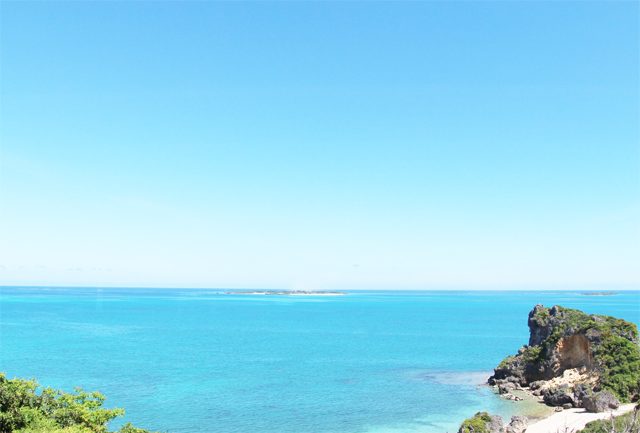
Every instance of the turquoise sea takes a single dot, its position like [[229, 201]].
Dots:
[[200, 361]]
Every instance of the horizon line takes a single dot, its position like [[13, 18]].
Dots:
[[626, 288]]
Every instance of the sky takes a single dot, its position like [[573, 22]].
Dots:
[[320, 145]]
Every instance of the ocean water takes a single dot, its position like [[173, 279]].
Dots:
[[196, 361]]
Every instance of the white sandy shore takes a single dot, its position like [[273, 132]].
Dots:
[[572, 420]]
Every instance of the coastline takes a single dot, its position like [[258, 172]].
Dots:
[[541, 417], [544, 419], [531, 406], [573, 420]]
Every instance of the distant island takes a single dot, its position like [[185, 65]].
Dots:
[[286, 293], [599, 293]]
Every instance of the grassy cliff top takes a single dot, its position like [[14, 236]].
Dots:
[[566, 321]]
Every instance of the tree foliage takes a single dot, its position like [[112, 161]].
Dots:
[[476, 424], [26, 408]]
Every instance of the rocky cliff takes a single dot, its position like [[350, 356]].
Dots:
[[573, 359], [572, 356]]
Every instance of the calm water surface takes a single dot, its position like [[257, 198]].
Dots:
[[196, 361]]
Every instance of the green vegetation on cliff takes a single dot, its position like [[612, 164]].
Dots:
[[577, 322], [619, 361], [27, 408], [476, 424], [615, 352], [563, 338]]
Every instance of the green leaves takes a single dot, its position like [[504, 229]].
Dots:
[[476, 424], [25, 410], [620, 362]]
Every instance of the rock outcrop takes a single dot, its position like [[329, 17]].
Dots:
[[575, 360], [518, 424], [600, 402], [561, 396], [482, 422]]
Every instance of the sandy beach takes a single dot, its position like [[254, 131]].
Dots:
[[572, 420]]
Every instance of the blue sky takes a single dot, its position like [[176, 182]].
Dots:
[[320, 145]]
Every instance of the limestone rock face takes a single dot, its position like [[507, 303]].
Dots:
[[495, 425], [506, 388], [600, 402], [518, 424], [580, 392], [569, 347], [559, 396], [539, 329]]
